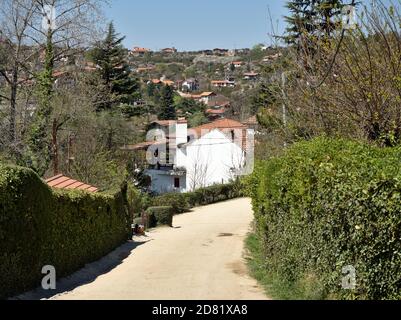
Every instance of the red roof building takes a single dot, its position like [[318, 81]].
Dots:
[[62, 182]]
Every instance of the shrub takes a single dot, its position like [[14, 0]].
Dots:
[[182, 202], [39, 226], [178, 201], [328, 204], [137, 201], [160, 216]]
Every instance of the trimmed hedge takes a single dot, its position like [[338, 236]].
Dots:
[[328, 204], [160, 216], [39, 226], [183, 202]]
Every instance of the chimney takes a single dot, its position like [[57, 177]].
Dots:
[[181, 131]]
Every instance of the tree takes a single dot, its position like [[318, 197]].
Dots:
[[15, 19], [311, 18], [58, 26], [355, 95], [114, 71], [167, 108]]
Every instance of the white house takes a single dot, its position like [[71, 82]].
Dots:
[[223, 83], [183, 160]]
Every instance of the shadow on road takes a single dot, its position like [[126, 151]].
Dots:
[[87, 274]]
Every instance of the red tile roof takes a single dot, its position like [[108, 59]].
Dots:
[[140, 50], [215, 111], [218, 124], [62, 182]]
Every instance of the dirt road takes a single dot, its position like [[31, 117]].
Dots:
[[200, 258]]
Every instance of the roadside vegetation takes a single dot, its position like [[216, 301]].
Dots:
[[327, 201]]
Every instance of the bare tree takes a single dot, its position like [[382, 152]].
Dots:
[[349, 86], [199, 172], [15, 18]]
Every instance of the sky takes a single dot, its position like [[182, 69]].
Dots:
[[195, 24], [198, 24]]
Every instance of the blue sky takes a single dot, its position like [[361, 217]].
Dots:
[[197, 24], [194, 24]]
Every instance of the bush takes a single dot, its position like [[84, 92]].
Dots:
[[138, 201], [178, 201], [182, 202], [160, 216], [328, 204], [39, 226]]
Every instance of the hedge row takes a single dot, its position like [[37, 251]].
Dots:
[[182, 202], [39, 226], [160, 216], [327, 205]]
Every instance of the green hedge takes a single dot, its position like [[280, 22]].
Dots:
[[160, 216], [182, 202], [39, 226], [328, 204]]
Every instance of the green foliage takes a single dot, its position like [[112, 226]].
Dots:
[[197, 119], [160, 216], [178, 201], [310, 18], [38, 155], [119, 86], [167, 108], [325, 205], [189, 106], [138, 201], [182, 202], [39, 226]]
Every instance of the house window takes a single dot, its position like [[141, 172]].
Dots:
[[177, 183], [233, 135]]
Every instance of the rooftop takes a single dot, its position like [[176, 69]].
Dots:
[[62, 182]]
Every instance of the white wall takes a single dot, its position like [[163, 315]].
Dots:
[[163, 183], [210, 158]]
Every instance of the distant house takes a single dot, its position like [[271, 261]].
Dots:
[[185, 159], [162, 81], [204, 97], [207, 97], [242, 51], [220, 52], [272, 57], [207, 52], [190, 85], [218, 107], [169, 50], [145, 69], [223, 83], [215, 114], [251, 76], [237, 64], [137, 51]]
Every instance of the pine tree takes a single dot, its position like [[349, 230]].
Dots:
[[311, 18], [300, 21], [120, 87], [167, 108], [327, 11]]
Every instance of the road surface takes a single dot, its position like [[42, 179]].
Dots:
[[202, 257]]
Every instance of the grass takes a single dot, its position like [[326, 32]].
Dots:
[[274, 286]]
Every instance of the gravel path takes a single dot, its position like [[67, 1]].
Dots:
[[202, 257]]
